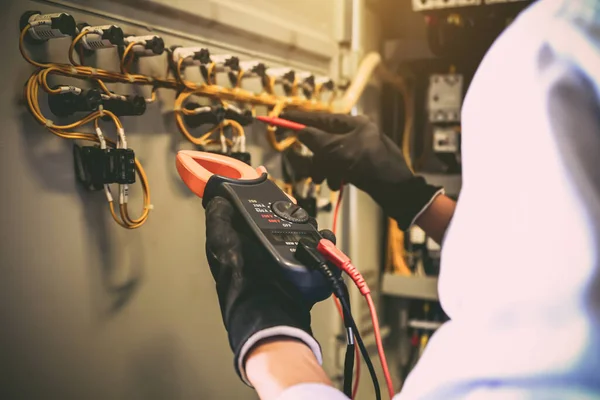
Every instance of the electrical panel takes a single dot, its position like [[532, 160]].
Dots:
[[444, 98]]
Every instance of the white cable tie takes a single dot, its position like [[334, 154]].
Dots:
[[149, 207], [131, 78], [101, 110], [150, 79], [74, 71], [123, 194], [121, 134], [108, 193], [202, 109], [101, 138], [94, 71], [223, 144], [49, 123]]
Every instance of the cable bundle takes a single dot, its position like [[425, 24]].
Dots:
[[38, 28]]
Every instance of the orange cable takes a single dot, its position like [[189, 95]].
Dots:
[[378, 341]]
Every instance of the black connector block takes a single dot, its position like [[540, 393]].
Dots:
[[123, 106], [90, 165], [120, 166], [95, 167], [214, 115], [67, 104]]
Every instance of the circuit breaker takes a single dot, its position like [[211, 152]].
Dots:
[[446, 140], [444, 98]]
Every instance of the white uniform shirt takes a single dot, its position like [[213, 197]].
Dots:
[[519, 275]]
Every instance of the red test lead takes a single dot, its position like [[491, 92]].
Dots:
[[342, 261], [282, 123]]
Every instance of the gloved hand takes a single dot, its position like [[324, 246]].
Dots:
[[352, 150], [257, 301]]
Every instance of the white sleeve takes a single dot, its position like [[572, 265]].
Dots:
[[312, 391]]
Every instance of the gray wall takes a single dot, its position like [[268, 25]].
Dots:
[[88, 309]]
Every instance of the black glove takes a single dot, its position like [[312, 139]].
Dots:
[[351, 150], [257, 301]]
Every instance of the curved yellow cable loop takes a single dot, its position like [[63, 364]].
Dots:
[[239, 78], [125, 61], [236, 127], [24, 53], [294, 89], [179, 75], [271, 137], [209, 72], [72, 48]]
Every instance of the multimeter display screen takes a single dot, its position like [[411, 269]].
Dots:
[[292, 236]]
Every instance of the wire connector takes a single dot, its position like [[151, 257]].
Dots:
[[101, 138], [308, 255], [108, 194], [335, 256]]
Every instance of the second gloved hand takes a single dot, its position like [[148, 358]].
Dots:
[[352, 150]]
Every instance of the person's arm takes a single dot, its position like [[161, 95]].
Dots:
[[434, 220], [278, 365]]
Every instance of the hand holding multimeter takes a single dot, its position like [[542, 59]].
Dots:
[[252, 230], [263, 211]]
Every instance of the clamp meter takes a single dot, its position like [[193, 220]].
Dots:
[[273, 218]]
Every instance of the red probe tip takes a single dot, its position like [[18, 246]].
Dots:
[[280, 122]]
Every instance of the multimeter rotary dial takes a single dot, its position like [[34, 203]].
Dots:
[[290, 212]]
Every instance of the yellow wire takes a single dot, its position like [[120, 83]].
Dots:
[[101, 77], [209, 71], [271, 137], [72, 47], [125, 63], [24, 53]]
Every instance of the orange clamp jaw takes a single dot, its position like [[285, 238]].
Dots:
[[196, 168]]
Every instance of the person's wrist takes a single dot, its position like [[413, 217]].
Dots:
[[405, 200], [275, 364]]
